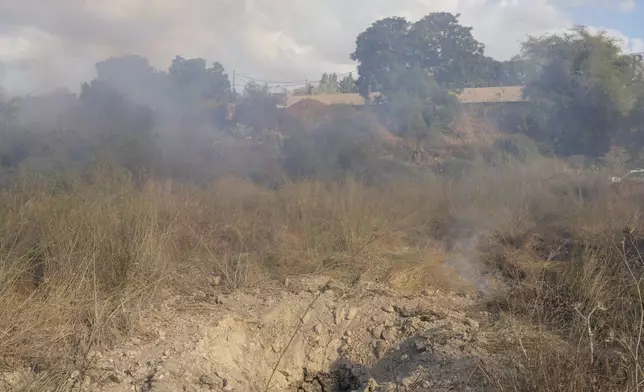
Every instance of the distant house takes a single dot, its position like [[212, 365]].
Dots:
[[503, 94], [478, 95], [330, 99]]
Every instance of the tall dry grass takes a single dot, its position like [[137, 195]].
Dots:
[[82, 257]]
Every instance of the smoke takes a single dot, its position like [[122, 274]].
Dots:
[[50, 43]]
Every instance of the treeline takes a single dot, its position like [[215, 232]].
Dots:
[[585, 97], [585, 94]]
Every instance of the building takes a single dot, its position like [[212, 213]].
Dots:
[[478, 95]]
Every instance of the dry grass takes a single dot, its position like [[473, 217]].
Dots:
[[81, 258]]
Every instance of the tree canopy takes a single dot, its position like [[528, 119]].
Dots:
[[437, 43], [582, 89]]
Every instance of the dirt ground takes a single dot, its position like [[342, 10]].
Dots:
[[365, 337]]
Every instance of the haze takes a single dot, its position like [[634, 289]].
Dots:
[[50, 43]]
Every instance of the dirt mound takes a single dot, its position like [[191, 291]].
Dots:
[[332, 338], [310, 110]]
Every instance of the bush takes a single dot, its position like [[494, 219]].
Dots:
[[344, 145]]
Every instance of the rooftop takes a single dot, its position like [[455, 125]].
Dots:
[[469, 95]]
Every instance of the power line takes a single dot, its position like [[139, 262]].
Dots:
[[269, 81], [287, 83]]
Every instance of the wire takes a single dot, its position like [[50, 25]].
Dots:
[[286, 83], [269, 81]]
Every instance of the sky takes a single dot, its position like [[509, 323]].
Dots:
[[46, 44]]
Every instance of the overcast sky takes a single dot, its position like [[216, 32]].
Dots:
[[50, 43]]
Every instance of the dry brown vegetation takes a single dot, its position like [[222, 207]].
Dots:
[[82, 257]]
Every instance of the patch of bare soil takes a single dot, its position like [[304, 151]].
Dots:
[[361, 338]]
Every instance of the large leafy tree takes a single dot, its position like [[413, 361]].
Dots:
[[581, 90], [257, 108], [379, 49], [193, 81], [447, 49], [113, 127], [437, 43], [133, 76]]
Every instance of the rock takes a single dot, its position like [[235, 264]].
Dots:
[[388, 387], [161, 334], [473, 324], [388, 335], [388, 309], [318, 329], [116, 377], [376, 332], [408, 381], [312, 386], [379, 350], [371, 386], [205, 379], [337, 315], [352, 313], [215, 280], [420, 345]]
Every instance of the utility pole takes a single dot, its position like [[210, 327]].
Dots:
[[234, 89]]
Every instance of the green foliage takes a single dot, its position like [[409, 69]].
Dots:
[[348, 85], [257, 108], [115, 128], [133, 76], [580, 90], [383, 46], [437, 43], [344, 145], [14, 145], [194, 82], [419, 106], [517, 148], [328, 84], [444, 47]]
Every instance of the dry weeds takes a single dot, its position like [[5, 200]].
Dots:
[[81, 258]]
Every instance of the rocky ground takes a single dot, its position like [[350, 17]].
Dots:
[[328, 337]]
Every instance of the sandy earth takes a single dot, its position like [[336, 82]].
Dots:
[[361, 338]]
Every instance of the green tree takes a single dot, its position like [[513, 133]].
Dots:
[[581, 87], [14, 144], [257, 108], [113, 128], [437, 43], [379, 49], [632, 134], [133, 76], [345, 144], [347, 85], [419, 106], [194, 82], [323, 84], [447, 49], [328, 83]]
